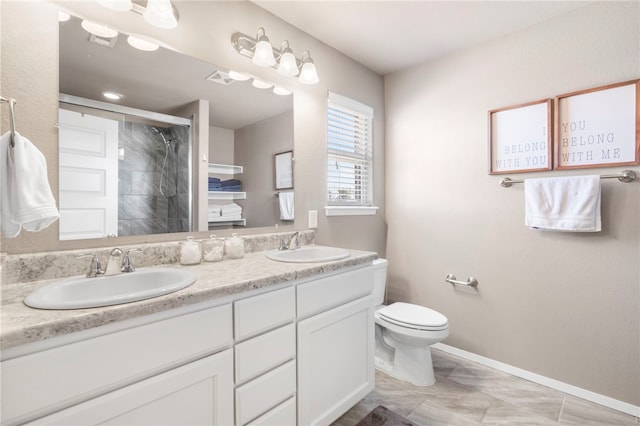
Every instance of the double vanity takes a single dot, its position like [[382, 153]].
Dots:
[[252, 341]]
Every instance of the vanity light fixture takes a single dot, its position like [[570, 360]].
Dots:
[[263, 51], [63, 16], [159, 13], [283, 60], [308, 73], [142, 44], [98, 29]]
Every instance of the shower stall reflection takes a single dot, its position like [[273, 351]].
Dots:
[[153, 177]]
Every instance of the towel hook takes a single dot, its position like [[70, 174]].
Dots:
[[12, 117]]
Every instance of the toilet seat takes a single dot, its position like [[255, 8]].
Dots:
[[413, 316]]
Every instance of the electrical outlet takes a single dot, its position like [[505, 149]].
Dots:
[[313, 219]]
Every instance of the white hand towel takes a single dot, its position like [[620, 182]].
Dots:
[[563, 204], [27, 200], [286, 205]]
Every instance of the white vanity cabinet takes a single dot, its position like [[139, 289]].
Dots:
[[335, 345], [265, 352], [166, 363], [299, 354]]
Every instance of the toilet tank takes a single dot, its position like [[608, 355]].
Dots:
[[379, 280]]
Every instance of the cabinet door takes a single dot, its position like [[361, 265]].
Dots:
[[199, 393], [335, 361]]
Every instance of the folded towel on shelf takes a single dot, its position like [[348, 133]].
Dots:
[[286, 202], [214, 180], [232, 208], [224, 218], [233, 188], [231, 182], [563, 203], [25, 194]]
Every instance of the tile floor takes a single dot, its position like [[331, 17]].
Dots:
[[467, 393]]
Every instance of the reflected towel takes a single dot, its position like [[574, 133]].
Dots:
[[563, 204], [286, 205], [26, 197]]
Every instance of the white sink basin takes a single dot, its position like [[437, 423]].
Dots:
[[78, 293], [311, 254]]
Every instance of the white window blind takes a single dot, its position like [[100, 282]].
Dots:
[[350, 153]]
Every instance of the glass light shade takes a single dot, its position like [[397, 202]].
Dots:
[[281, 91], [113, 96], [288, 65], [261, 84], [141, 44], [159, 13], [63, 16], [119, 5], [308, 73], [238, 76], [99, 30], [263, 54]]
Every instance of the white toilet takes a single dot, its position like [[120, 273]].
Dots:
[[404, 334]]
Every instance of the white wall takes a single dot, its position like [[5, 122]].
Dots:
[[562, 305]]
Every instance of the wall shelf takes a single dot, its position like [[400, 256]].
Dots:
[[227, 195], [240, 222], [225, 169]]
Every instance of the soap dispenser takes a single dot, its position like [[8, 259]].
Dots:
[[234, 247], [213, 249], [190, 253]]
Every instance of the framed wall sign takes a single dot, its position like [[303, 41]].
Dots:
[[284, 170], [520, 138], [598, 127]]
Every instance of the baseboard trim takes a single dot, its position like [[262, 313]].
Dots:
[[597, 398]]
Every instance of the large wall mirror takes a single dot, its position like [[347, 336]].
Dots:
[[127, 166]]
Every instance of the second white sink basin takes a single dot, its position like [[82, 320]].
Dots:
[[311, 254], [78, 293]]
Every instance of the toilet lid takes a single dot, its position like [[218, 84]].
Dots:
[[413, 315]]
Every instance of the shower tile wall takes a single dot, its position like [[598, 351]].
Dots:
[[142, 209]]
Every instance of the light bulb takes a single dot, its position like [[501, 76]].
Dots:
[[261, 84], [238, 76], [159, 13], [288, 64], [308, 73], [263, 54], [63, 16], [281, 91]]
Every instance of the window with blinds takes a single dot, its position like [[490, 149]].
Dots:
[[349, 152]]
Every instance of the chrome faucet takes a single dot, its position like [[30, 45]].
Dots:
[[127, 266], [286, 245], [94, 268]]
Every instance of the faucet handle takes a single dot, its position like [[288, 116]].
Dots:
[[127, 266], [94, 268]]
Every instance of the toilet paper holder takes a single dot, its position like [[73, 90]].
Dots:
[[471, 282]]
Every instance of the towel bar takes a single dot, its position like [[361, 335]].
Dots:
[[471, 282], [625, 176]]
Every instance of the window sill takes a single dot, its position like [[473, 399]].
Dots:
[[350, 210]]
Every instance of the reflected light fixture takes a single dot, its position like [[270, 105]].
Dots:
[[283, 60], [263, 51], [113, 96], [63, 16], [159, 13], [308, 73], [118, 5], [98, 29], [261, 84], [238, 76], [281, 91], [142, 44]]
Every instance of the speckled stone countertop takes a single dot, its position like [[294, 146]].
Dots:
[[21, 324]]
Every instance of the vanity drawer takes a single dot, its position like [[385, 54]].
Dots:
[[283, 415], [267, 391], [264, 312], [42, 382], [260, 354], [326, 293]]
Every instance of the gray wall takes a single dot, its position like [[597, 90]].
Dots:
[[255, 146], [561, 305]]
